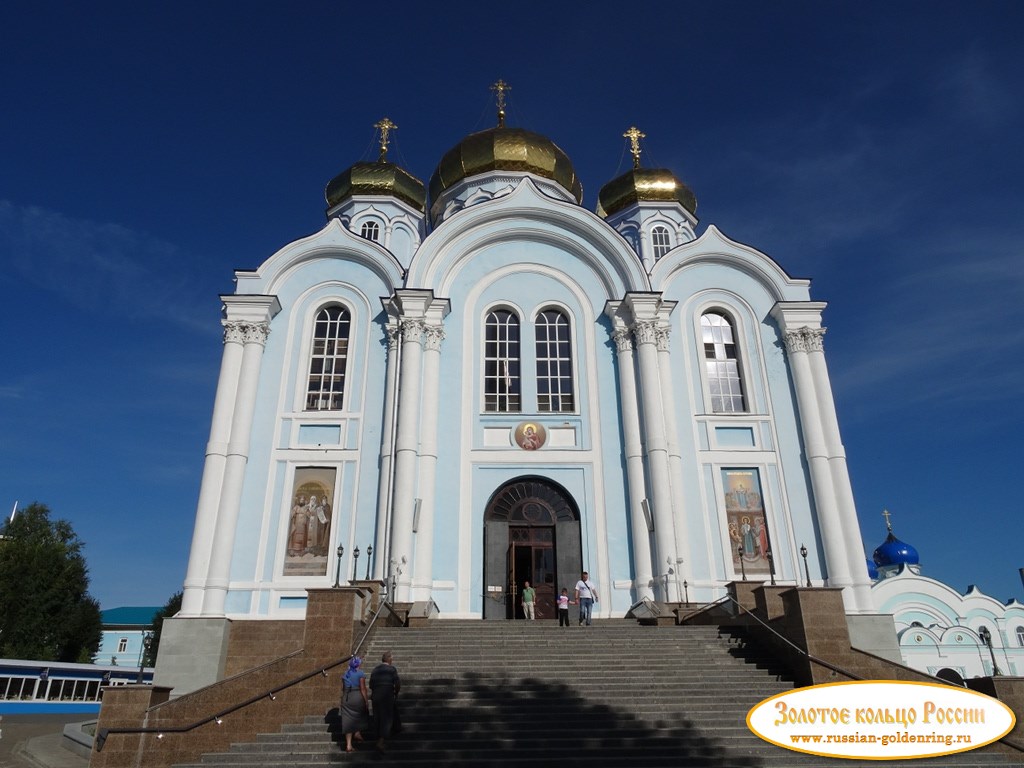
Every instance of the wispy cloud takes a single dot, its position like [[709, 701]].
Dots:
[[100, 267]]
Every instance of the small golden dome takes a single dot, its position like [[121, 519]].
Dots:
[[505, 149], [380, 178], [644, 184]]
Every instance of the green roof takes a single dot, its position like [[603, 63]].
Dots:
[[137, 615]]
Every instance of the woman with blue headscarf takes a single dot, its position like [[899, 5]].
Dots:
[[354, 703]]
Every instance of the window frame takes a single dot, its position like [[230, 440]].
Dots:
[[370, 225], [331, 399], [569, 361], [659, 250], [492, 398], [741, 374]]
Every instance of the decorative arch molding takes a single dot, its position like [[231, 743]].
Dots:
[[715, 248], [334, 242], [531, 500], [522, 215]]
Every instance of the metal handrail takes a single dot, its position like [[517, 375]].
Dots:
[[1008, 742], [103, 733]]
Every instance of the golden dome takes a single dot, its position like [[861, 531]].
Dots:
[[380, 178], [505, 149], [645, 184]]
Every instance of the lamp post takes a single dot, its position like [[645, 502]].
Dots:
[[743, 571], [807, 571], [369, 551], [355, 564], [147, 643], [986, 638], [771, 566], [337, 578], [686, 592]]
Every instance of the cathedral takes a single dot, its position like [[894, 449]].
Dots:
[[461, 386]]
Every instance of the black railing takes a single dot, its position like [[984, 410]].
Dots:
[[270, 693]]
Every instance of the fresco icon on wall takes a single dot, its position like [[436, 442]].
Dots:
[[745, 516], [309, 521], [530, 436]]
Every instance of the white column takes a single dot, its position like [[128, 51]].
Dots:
[[630, 414], [829, 517], [213, 471], [382, 544], [840, 471], [234, 470], [675, 459], [406, 446], [656, 447], [423, 566]]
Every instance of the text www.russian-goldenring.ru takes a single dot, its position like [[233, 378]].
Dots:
[[885, 740]]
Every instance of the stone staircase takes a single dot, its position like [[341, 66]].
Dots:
[[511, 694]]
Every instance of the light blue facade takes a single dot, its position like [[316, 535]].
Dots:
[[633, 482]]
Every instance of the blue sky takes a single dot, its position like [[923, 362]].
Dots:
[[148, 150]]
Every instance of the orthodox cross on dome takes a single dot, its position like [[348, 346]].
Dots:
[[888, 523], [499, 89], [634, 135], [385, 126]]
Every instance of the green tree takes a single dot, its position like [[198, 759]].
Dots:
[[46, 612], [170, 609]]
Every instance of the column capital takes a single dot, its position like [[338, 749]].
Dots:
[[242, 332], [805, 340], [661, 337], [434, 336], [623, 339], [412, 330], [645, 331]]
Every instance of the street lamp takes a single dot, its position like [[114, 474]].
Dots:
[[986, 638], [739, 552], [355, 564], [807, 571], [369, 551], [771, 566], [337, 578]]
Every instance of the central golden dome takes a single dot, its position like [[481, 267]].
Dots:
[[504, 149]]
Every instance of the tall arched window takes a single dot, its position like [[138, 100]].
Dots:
[[328, 359], [370, 230], [502, 390], [661, 240], [1020, 636], [554, 363], [721, 362]]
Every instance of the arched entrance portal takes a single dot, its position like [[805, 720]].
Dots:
[[531, 533]]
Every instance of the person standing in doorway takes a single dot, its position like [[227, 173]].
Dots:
[[384, 687], [586, 596], [529, 601]]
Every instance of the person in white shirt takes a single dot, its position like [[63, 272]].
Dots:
[[586, 596]]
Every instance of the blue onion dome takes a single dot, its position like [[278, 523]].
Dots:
[[873, 573], [892, 551]]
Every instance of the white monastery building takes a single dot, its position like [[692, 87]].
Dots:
[[481, 382]]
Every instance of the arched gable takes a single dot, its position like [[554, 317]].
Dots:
[[715, 248], [527, 215], [334, 241]]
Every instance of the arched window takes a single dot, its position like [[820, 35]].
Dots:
[[554, 363], [370, 230], [328, 359], [1020, 636], [502, 391], [722, 364], [661, 239]]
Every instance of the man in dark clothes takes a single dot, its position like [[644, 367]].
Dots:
[[384, 687]]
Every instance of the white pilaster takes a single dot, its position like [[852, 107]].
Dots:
[[675, 458], [256, 313], [381, 544], [213, 470], [423, 568], [645, 309], [630, 415]]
